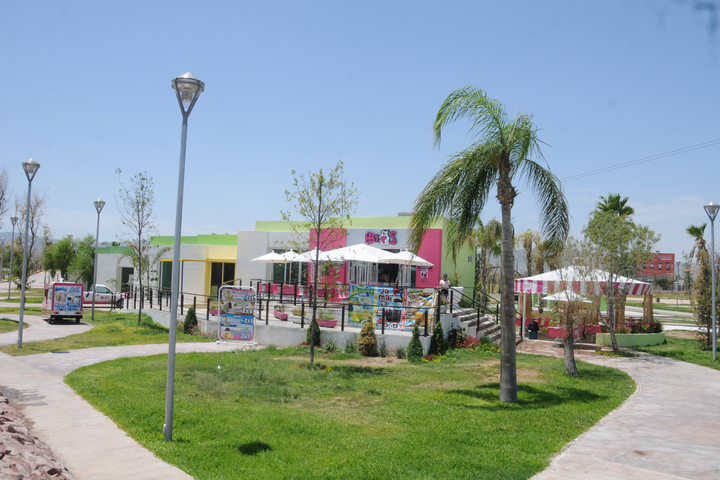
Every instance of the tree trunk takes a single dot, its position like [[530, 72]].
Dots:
[[611, 317], [570, 366], [483, 278], [508, 372], [140, 282]]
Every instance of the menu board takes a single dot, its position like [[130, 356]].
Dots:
[[237, 314]]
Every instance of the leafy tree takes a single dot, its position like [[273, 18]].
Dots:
[[621, 248], [460, 190], [415, 350], [4, 193], [135, 202], [367, 343], [82, 266], [325, 202], [59, 257], [613, 203]]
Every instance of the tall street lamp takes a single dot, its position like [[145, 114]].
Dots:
[[31, 168], [712, 209], [187, 89], [13, 220], [99, 204]]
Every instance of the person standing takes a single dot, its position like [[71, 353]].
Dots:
[[444, 286]]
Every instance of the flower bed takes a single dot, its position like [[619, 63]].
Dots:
[[631, 339]]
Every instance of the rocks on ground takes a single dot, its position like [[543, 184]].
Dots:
[[22, 455]]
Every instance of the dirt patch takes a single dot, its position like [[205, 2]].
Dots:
[[682, 334]]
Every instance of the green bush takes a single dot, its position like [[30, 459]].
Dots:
[[456, 337], [465, 302], [190, 321], [383, 348], [315, 328], [415, 350], [400, 352], [438, 345], [367, 344]]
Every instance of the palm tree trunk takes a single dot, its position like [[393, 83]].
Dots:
[[508, 373]]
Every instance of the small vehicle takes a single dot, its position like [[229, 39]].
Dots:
[[104, 296], [62, 300]]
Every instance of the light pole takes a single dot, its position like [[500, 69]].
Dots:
[[187, 89], [31, 168], [712, 209], [99, 204], [13, 220], [677, 285]]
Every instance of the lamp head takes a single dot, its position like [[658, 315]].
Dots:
[[13, 220], [99, 204], [30, 167], [712, 209], [188, 86]]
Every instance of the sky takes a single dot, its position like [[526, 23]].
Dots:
[[299, 85]]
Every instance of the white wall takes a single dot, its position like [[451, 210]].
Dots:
[[254, 244]]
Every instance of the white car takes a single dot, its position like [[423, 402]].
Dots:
[[104, 296]]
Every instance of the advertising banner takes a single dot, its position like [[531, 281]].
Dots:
[[67, 298], [399, 308], [237, 314]]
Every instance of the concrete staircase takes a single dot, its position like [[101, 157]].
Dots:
[[477, 326]]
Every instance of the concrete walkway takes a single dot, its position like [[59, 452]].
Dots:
[[668, 429]]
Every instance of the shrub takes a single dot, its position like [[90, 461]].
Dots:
[[400, 352], [325, 315], [438, 345], [465, 303], [190, 321], [367, 345], [350, 345], [279, 307], [315, 328], [456, 338], [415, 351], [383, 348], [296, 311], [330, 347]]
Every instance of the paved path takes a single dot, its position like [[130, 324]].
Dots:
[[88, 443], [668, 429]]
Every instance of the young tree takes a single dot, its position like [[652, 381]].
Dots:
[[621, 248], [59, 257], [701, 300], [82, 266], [135, 202], [501, 156], [4, 193], [325, 202], [37, 210]]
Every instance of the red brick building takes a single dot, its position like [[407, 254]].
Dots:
[[661, 265]]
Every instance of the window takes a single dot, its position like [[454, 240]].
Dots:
[[659, 265], [668, 266], [652, 266]]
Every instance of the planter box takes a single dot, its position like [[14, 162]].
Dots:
[[280, 315], [631, 339], [328, 323]]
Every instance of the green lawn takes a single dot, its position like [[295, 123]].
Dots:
[[37, 310], [111, 329], [27, 299], [661, 306], [10, 325], [684, 349], [263, 415]]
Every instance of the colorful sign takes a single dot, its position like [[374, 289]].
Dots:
[[398, 308], [384, 238], [67, 298], [237, 314]]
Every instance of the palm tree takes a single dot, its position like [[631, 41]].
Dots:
[[487, 239], [528, 238], [461, 188], [613, 203], [699, 250]]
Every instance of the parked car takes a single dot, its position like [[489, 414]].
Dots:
[[104, 296]]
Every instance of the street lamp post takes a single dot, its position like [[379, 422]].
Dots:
[[712, 209], [187, 89], [99, 204], [31, 167], [13, 220]]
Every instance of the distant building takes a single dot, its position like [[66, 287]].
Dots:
[[661, 265]]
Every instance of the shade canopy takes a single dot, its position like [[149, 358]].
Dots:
[[406, 258], [581, 280], [567, 296], [357, 253], [271, 257]]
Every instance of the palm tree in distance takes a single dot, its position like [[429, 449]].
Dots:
[[460, 190], [614, 203], [528, 239], [699, 249]]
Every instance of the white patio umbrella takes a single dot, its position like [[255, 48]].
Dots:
[[285, 257]]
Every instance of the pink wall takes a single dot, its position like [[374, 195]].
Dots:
[[431, 250], [330, 240]]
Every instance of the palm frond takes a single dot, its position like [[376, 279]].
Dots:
[[551, 201]]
